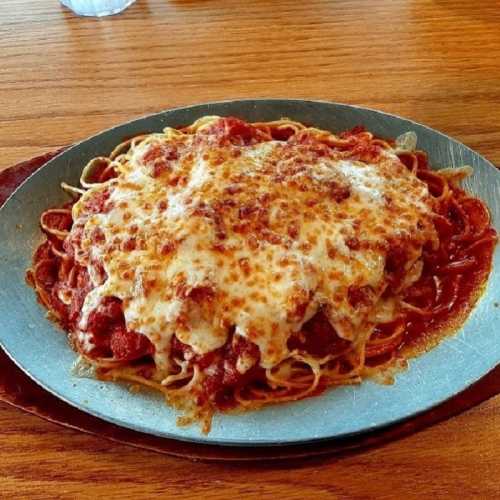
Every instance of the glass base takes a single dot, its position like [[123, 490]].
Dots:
[[97, 8]]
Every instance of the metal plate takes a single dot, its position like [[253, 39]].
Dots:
[[41, 350]]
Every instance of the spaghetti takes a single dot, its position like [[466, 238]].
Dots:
[[233, 265]]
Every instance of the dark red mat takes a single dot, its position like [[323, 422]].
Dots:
[[18, 390]]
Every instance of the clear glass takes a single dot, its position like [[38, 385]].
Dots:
[[97, 7]]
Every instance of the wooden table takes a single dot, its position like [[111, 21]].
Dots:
[[63, 78]]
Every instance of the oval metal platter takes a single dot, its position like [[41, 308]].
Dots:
[[40, 348]]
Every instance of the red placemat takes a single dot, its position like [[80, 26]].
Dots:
[[18, 390]]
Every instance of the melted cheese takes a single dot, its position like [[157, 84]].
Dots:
[[255, 238]]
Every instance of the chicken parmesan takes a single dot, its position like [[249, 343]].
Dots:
[[231, 265]]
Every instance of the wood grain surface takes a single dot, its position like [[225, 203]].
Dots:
[[63, 78]]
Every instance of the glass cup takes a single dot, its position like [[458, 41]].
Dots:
[[97, 7]]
